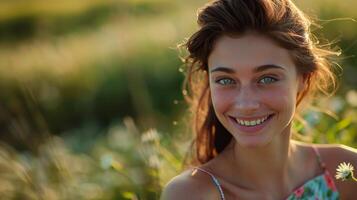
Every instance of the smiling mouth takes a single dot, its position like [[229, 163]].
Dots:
[[252, 122]]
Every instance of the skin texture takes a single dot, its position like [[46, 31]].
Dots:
[[266, 163]]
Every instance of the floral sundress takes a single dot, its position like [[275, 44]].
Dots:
[[321, 187]]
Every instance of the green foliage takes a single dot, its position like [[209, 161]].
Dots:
[[41, 18]]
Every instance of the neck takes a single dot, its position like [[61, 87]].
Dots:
[[264, 168]]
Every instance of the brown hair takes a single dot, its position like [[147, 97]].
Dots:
[[282, 22]]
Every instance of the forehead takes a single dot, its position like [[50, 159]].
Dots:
[[249, 50]]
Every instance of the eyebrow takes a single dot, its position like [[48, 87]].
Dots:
[[257, 69]]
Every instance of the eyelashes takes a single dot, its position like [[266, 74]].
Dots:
[[265, 80], [225, 81]]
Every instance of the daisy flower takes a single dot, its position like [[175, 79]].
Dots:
[[345, 172]]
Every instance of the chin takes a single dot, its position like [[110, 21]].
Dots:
[[252, 142]]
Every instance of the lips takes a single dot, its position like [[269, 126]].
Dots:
[[251, 124]]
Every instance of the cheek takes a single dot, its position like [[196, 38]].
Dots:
[[221, 99], [280, 96], [281, 99]]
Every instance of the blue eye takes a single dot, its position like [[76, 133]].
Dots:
[[225, 81], [267, 80]]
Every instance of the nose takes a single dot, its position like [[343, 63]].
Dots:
[[247, 100]]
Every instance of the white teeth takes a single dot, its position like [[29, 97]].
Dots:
[[252, 122]]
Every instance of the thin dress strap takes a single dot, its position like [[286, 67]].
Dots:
[[215, 181], [322, 164], [329, 180]]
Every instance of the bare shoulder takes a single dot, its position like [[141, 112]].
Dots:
[[337, 153], [333, 155], [190, 184]]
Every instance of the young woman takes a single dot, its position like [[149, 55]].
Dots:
[[251, 65]]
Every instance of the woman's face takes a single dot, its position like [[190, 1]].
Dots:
[[254, 86]]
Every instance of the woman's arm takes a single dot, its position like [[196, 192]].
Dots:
[[178, 189], [333, 155]]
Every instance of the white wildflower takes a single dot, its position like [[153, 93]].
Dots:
[[344, 171], [150, 136], [154, 161]]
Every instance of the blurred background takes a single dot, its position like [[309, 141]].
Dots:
[[91, 105]]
